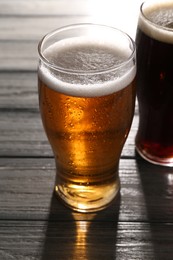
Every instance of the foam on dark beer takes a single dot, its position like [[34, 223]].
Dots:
[[154, 20], [91, 88]]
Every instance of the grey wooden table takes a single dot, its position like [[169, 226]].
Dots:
[[33, 223]]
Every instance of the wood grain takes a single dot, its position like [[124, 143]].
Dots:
[[84, 240]]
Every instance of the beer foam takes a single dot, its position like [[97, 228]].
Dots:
[[83, 56], [157, 21]]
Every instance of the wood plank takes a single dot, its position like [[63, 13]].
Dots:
[[33, 28], [66, 7], [19, 35], [44, 7], [18, 91], [21, 53], [18, 56], [19, 14], [22, 135], [27, 185], [85, 240]]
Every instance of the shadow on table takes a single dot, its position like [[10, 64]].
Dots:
[[74, 236], [157, 187]]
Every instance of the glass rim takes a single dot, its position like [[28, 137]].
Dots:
[[87, 72], [144, 16]]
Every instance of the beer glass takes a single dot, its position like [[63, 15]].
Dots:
[[154, 40], [86, 78]]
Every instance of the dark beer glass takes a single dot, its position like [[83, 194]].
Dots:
[[86, 78], [154, 40]]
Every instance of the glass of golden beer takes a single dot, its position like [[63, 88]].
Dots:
[[86, 81], [154, 40]]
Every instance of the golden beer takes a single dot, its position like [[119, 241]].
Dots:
[[87, 111]]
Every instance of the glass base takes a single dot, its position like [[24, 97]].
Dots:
[[154, 159], [87, 199]]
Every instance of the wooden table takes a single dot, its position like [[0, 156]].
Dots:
[[33, 223]]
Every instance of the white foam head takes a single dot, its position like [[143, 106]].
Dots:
[[156, 20], [87, 68]]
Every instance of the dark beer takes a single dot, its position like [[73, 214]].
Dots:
[[87, 118], [154, 140]]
